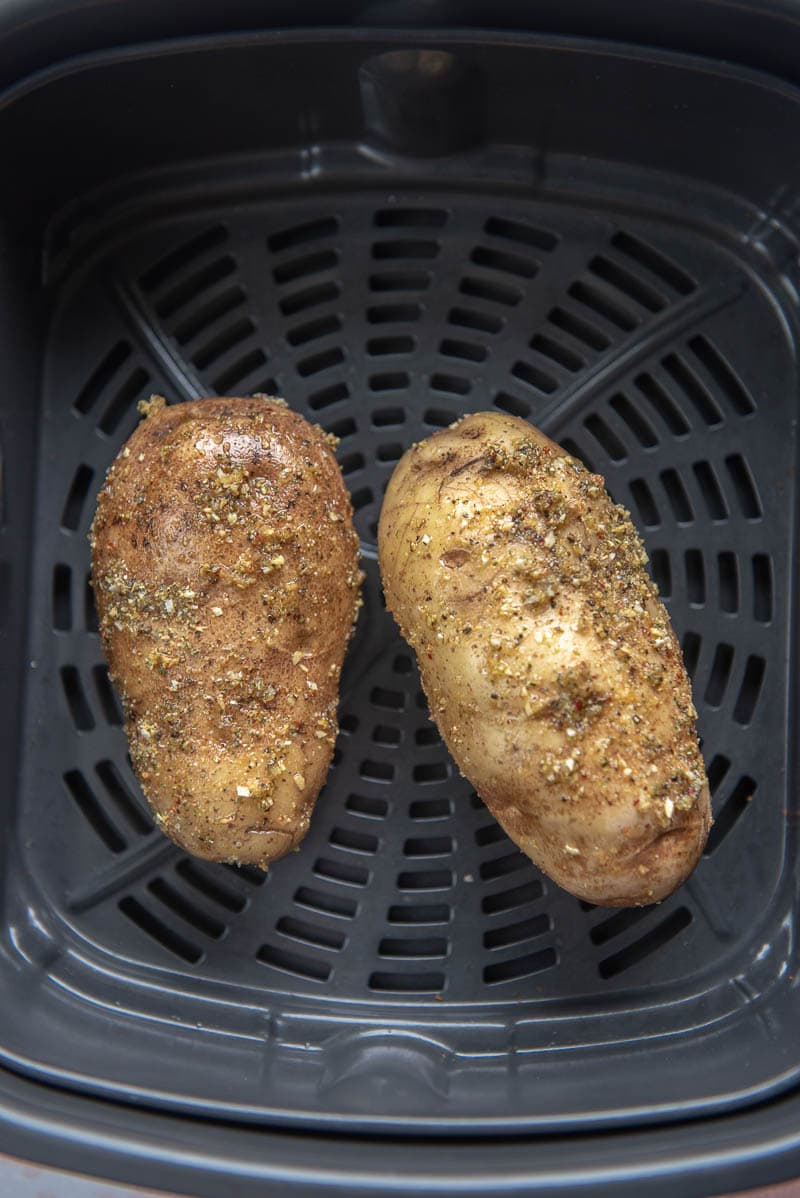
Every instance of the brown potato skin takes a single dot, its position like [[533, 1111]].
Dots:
[[548, 660], [226, 580]]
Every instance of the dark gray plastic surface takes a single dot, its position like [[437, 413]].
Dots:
[[407, 969]]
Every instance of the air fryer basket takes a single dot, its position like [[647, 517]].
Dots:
[[390, 232]]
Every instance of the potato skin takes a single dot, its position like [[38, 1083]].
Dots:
[[548, 660], [226, 580]]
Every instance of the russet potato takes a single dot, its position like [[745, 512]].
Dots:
[[226, 580], [548, 660]]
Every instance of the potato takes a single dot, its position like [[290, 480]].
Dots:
[[225, 572], [549, 662]]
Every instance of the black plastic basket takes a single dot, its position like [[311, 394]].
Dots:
[[392, 228]]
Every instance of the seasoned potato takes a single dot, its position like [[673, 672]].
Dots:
[[224, 564], [550, 665]]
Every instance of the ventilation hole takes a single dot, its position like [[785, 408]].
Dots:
[[312, 330], [393, 313], [520, 967], [438, 417], [326, 904], [410, 948], [102, 376], [717, 771], [186, 910], [663, 405], [597, 301], [92, 811], [294, 963], [328, 396], [338, 871], [77, 702], [750, 690], [452, 384], [662, 572], [346, 427], [690, 647], [402, 664], [419, 913], [62, 598], [762, 588], [400, 280], [579, 328], [652, 940], [325, 360], [720, 675], [428, 846], [210, 887], [425, 879], [310, 933], [208, 314], [427, 736], [378, 346], [558, 353], [513, 230], [403, 983], [388, 417], [394, 380], [78, 491], [89, 611], [509, 900], [248, 873], [512, 404], [240, 370], [468, 318], [676, 496], [180, 257], [382, 734], [728, 573], [122, 402], [431, 771], [499, 867], [390, 453], [311, 230], [490, 834], [510, 264], [120, 795], [309, 297], [361, 498], [376, 771], [540, 380], [691, 386], [644, 503], [735, 805], [710, 490], [186, 291], [387, 699], [695, 577], [153, 927], [490, 290], [354, 842], [368, 807], [575, 450], [107, 696], [351, 462], [406, 247], [620, 922], [642, 431], [423, 809], [606, 438], [466, 351], [744, 487], [631, 286], [666, 270], [517, 933], [721, 372], [308, 264]]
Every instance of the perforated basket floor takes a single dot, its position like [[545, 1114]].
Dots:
[[408, 960]]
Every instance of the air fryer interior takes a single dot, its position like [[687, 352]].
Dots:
[[390, 234]]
